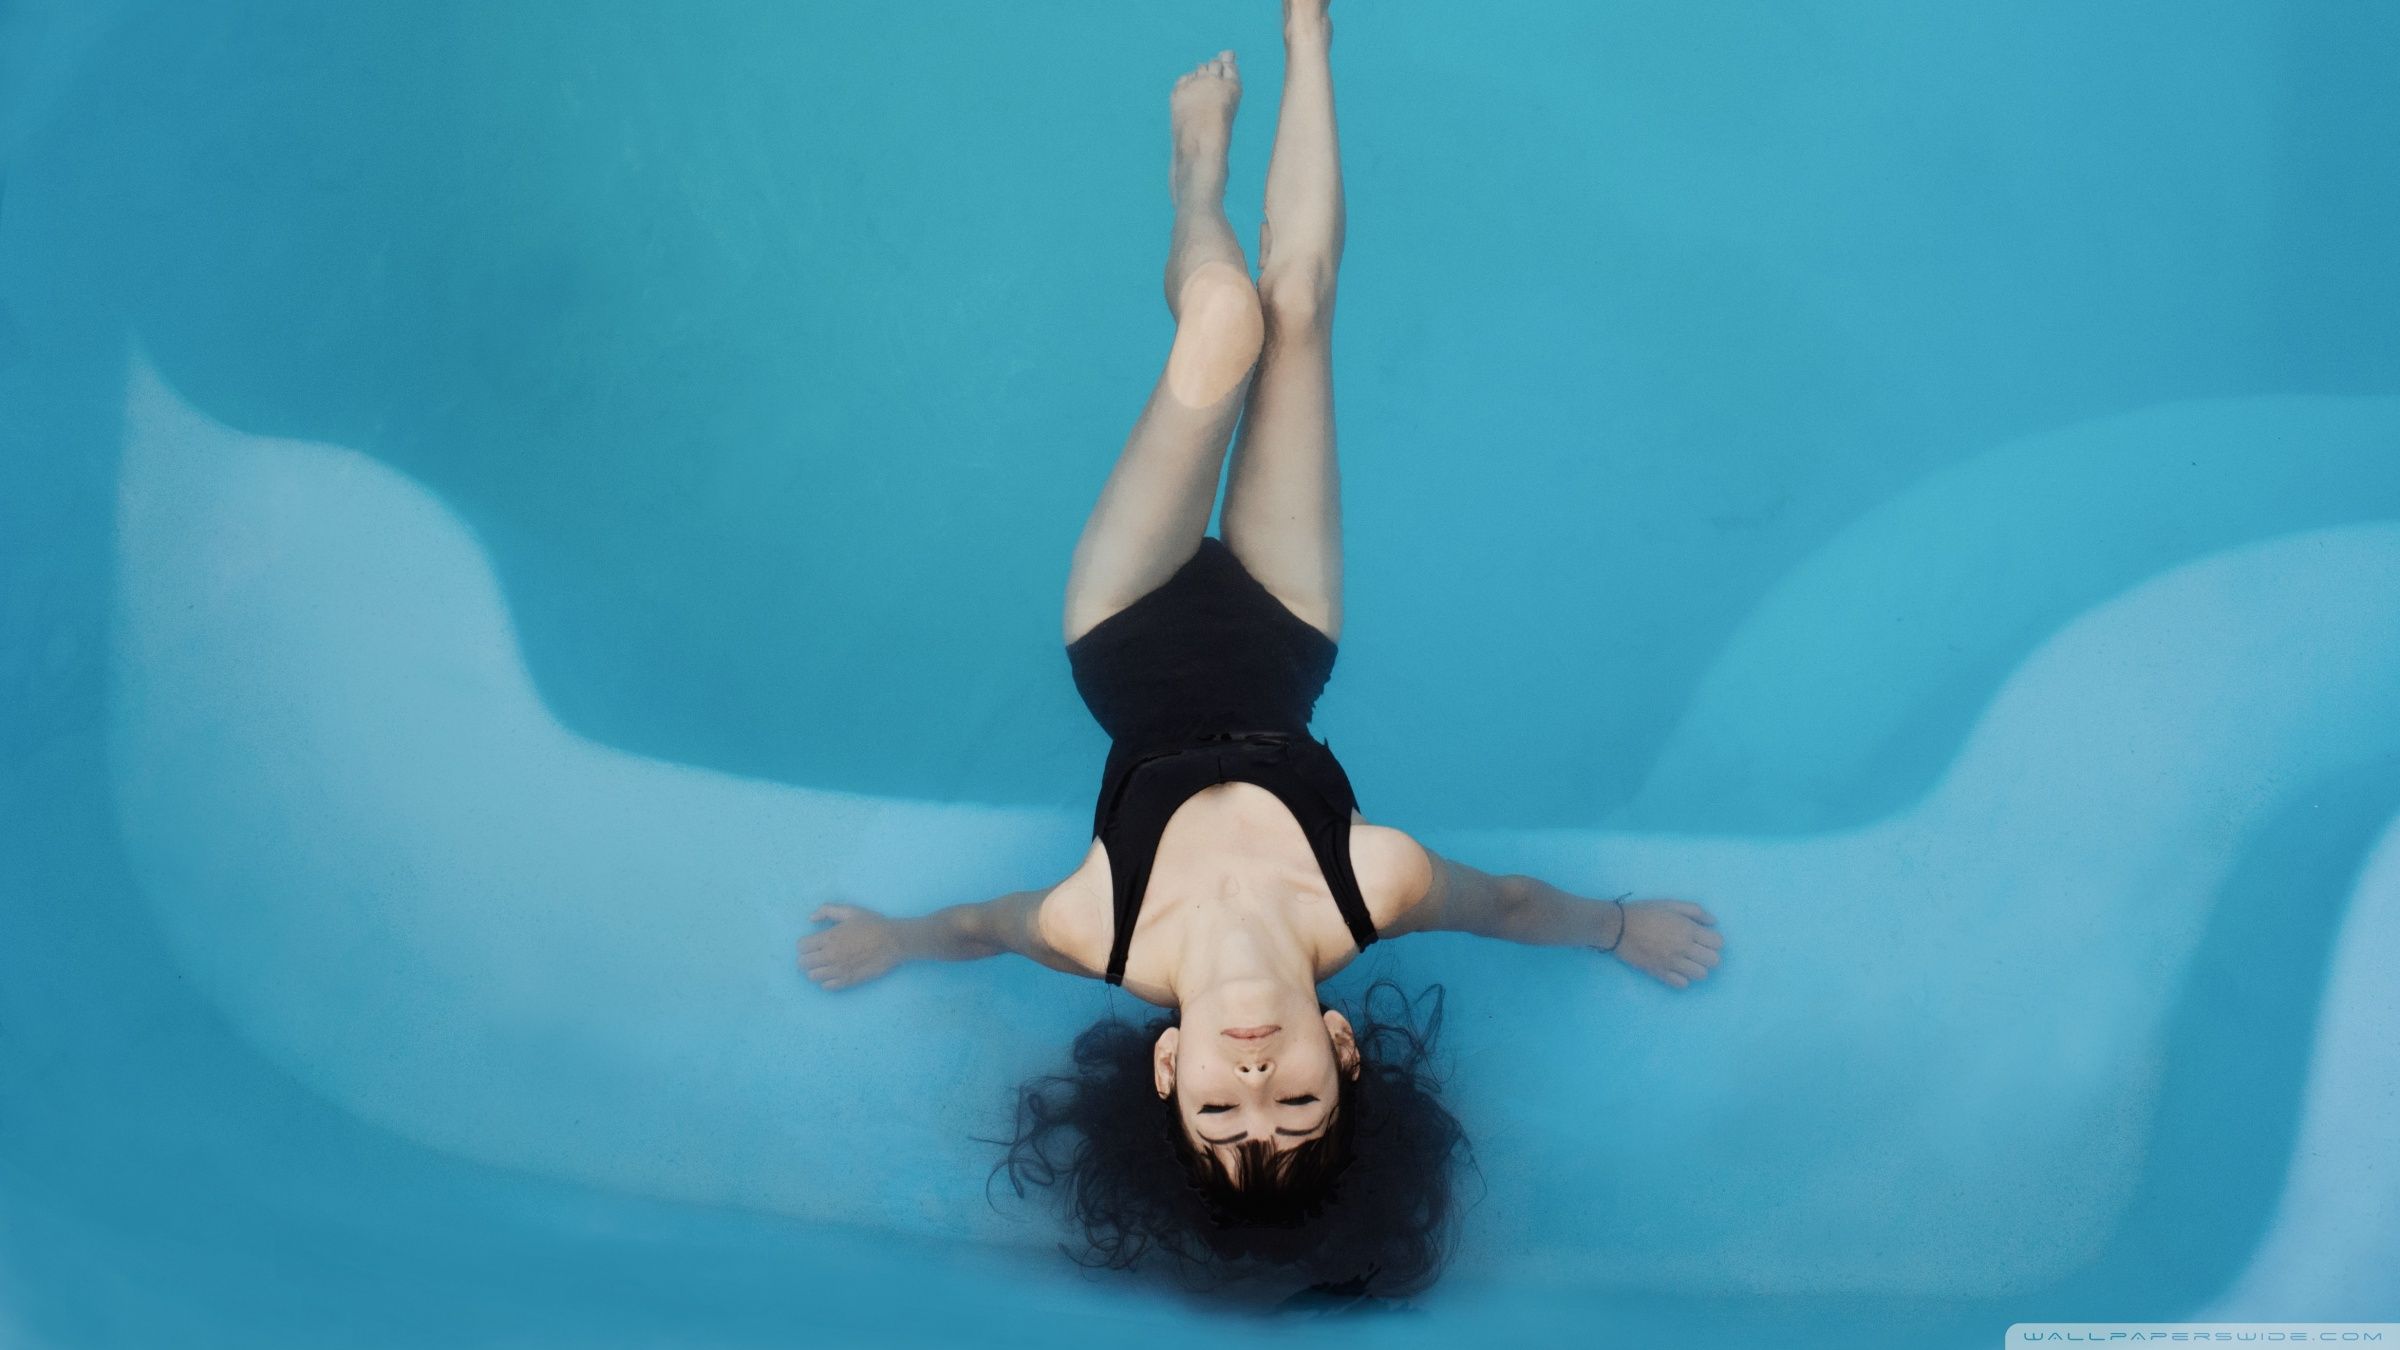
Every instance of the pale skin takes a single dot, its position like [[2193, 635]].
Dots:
[[1238, 925]]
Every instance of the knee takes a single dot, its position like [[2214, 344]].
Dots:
[[1297, 298], [1218, 333]]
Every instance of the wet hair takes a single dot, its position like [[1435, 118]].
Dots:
[[1360, 1214]]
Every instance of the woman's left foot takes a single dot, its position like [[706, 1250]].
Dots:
[[1200, 111], [1201, 114]]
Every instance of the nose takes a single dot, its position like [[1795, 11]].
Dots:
[[1259, 1068]]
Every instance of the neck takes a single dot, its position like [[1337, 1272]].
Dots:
[[1241, 946]]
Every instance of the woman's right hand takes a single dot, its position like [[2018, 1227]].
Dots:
[[1675, 941], [861, 945]]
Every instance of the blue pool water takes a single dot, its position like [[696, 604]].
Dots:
[[504, 509]]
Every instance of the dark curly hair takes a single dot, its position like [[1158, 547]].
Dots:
[[1361, 1214]]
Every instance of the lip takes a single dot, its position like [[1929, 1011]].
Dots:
[[1251, 1033]]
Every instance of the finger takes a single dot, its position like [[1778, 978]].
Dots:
[[834, 913], [1705, 956], [1688, 968], [1708, 938], [814, 942], [1696, 912], [1676, 980]]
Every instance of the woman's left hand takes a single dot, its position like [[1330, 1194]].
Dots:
[[861, 945]]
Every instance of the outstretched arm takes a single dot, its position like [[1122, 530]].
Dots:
[[863, 944], [1673, 940]]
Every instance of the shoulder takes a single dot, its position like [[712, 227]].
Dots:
[[1076, 918], [1395, 873]]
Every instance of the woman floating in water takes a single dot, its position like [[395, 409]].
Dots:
[[1230, 871]]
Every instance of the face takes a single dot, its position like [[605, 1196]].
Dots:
[[1233, 1084]]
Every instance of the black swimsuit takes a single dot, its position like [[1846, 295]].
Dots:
[[1210, 679]]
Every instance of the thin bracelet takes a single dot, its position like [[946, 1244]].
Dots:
[[1615, 942]]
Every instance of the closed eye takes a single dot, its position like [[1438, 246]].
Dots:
[[1303, 1099], [1213, 1108], [1281, 1130]]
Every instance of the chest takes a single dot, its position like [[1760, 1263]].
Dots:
[[1231, 852]]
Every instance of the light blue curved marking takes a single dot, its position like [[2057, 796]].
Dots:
[[1844, 692]]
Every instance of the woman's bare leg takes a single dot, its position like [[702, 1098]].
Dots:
[[1156, 502], [1283, 511]]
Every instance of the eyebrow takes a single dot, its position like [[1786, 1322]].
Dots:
[[1237, 1138]]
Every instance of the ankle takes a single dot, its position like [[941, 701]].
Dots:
[[1199, 179]]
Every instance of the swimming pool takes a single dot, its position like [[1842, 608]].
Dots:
[[506, 512]]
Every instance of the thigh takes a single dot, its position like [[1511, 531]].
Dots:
[[1153, 508], [1283, 513]]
